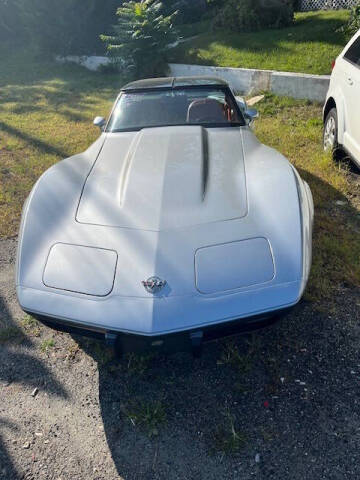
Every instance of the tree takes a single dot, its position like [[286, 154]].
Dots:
[[141, 37], [57, 27], [353, 24]]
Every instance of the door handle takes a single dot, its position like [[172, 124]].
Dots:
[[350, 81]]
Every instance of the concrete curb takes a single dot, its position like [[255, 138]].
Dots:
[[243, 80], [251, 81]]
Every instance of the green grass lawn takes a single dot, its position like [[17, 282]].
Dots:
[[309, 46], [294, 127], [46, 114]]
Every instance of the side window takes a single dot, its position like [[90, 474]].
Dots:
[[353, 52]]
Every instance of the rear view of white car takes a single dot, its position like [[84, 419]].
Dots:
[[342, 106]]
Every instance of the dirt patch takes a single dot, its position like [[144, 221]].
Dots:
[[282, 403]]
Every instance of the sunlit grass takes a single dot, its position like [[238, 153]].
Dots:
[[31, 326], [46, 113], [48, 116], [308, 46], [47, 345], [295, 128]]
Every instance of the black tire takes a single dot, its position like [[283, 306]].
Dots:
[[330, 134]]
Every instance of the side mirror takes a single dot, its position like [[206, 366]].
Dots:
[[250, 115], [99, 122]]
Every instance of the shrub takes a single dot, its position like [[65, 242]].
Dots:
[[189, 11], [141, 37], [248, 15], [238, 15], [276, 13], [353, 24]]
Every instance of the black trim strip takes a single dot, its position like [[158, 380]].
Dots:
[[170, 342]]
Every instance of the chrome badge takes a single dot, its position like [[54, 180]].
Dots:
[[154, 284]]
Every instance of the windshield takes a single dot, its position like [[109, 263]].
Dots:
[[210, 107]]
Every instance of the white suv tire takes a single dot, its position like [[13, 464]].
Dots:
[[330, 136]]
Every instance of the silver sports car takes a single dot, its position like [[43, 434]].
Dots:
[[175, 227]]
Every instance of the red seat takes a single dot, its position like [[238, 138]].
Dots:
[[206, 110]]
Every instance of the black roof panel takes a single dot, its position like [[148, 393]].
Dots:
[[173, 82]]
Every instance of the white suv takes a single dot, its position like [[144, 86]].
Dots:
[[342, 106]]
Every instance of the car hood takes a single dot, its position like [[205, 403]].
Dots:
[[166, 178]]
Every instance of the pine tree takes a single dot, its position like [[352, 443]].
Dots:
[[141, 37]]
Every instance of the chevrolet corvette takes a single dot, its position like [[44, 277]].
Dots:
[[175, 227]]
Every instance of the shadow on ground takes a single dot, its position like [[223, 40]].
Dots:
[[18, 365], [287, 393], [314, 29], [26, 81], [286, 396]]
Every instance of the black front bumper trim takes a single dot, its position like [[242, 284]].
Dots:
[[196, 339], [188, 340], [111, 339]]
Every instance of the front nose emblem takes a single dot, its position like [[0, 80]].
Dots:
[[154, 284]]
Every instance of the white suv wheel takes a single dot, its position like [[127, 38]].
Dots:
[[330, 131]]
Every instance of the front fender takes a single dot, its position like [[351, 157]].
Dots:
[[52, 201]]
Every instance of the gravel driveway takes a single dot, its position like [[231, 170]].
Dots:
[[280, 404]]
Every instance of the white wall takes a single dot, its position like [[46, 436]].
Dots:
[[244, 81], [247, 81], [90, 62]]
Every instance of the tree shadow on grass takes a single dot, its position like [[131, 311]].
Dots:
[[33, 141], [46, 111], [26, 81], [305, 30], [286, 392]]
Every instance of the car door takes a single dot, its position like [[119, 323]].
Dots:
[[350, 67]]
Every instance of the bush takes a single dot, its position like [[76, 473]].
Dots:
[[141, 38], [237, 16], [249, 15], [276, 13], [189, 11], [353, 24]]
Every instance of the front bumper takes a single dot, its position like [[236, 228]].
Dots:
[[189, 340], [158, 315]]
